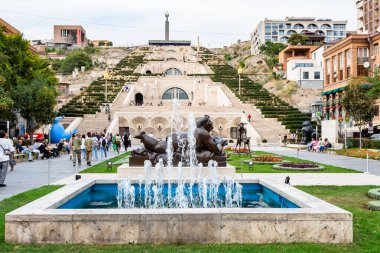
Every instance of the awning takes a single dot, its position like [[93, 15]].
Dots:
[[333, 91]]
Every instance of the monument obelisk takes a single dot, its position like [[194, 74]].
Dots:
[[167, 26]]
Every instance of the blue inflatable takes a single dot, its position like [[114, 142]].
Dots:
[[58, 133]]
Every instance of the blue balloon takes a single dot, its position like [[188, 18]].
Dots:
[[57, 132]]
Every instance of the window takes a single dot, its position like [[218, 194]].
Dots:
[[298, 26], [173, 72], [291, 32], [320, 32], [281, 33], [317, 75], [288, 26], [340, 27], [377, 49], [312, 26], [341, 61], [281, 26], [305, 75], [328, 65], [326, 26], [348, 58], [177, 93], [362, 52], [304, 65], [348, 72], [284, 40], [64, 33]]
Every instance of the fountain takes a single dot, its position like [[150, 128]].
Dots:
[[179, 195]]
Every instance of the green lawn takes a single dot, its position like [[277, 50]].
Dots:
[[353, 199], [237, 161], [102, 167]]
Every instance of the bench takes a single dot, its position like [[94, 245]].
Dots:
[[19, 158], [334, 148]]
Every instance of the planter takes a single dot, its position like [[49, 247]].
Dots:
[[374, 205], [374, 193], [298, 167]]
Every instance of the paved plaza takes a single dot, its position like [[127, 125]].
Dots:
[[27, 176]]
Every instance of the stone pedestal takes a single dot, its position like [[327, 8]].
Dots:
[[125, 171], [138, 161]]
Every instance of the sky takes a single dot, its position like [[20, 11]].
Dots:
[[218, 23]]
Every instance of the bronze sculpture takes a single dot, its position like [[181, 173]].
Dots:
[[307, 132], [207, 147]]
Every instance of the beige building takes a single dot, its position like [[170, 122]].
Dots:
[[345, 60], [368, 16], [70, 36]]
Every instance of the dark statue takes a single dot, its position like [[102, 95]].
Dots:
[[307, 132], [207, 147], [242, 138]]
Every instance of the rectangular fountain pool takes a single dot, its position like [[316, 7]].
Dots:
[[101, 196], [89, 220]]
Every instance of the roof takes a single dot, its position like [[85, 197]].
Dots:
[[8, 28]]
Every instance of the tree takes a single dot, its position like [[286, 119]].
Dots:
[[27, 85], [374, 92], [271, 49], [76, 59], [359, 104], [101, 43], [297, 39], [109, 43]]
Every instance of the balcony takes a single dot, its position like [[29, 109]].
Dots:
[[362, 60]]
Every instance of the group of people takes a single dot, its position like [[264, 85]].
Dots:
[[88, 147], [319, 145], [283, 139]]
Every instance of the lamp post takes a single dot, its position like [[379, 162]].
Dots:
[[240, 71], [106, 76], [220, 130], [159, 128]]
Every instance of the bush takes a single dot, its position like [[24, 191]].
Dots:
[[366, 143], [227, 57], [75, 59]]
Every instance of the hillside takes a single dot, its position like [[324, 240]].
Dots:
[[257, 69]]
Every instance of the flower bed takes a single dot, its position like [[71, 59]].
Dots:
[[237, 150], [359, 153], [267, 159], [298, 166]]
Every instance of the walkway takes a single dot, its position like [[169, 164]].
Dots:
[[27, 176], [334, 160]]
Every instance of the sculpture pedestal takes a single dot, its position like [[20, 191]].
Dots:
[[125, 171], [138, 161], [297, 146]]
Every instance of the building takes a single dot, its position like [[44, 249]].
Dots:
[[167, 41], [281, 30], [368, 16], [357, 55], [9, 30], [303, 64], [69, 36]]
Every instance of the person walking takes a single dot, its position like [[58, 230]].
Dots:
[[95, 147], [118, 143], [114, 142], [12, 162], [5, 150], [249, 117], [103, 148], [83, 147], [126, 141], [76, 149], [88, 145]]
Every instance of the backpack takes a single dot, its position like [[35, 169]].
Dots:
[[104, 142]]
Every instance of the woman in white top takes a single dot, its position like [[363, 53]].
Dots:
[[5, 149], [83, 147]]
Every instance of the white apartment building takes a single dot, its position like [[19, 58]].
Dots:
[[281, 30], [307, 73]]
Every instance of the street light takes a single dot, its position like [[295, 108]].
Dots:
[[106, 76], [240, 71]]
